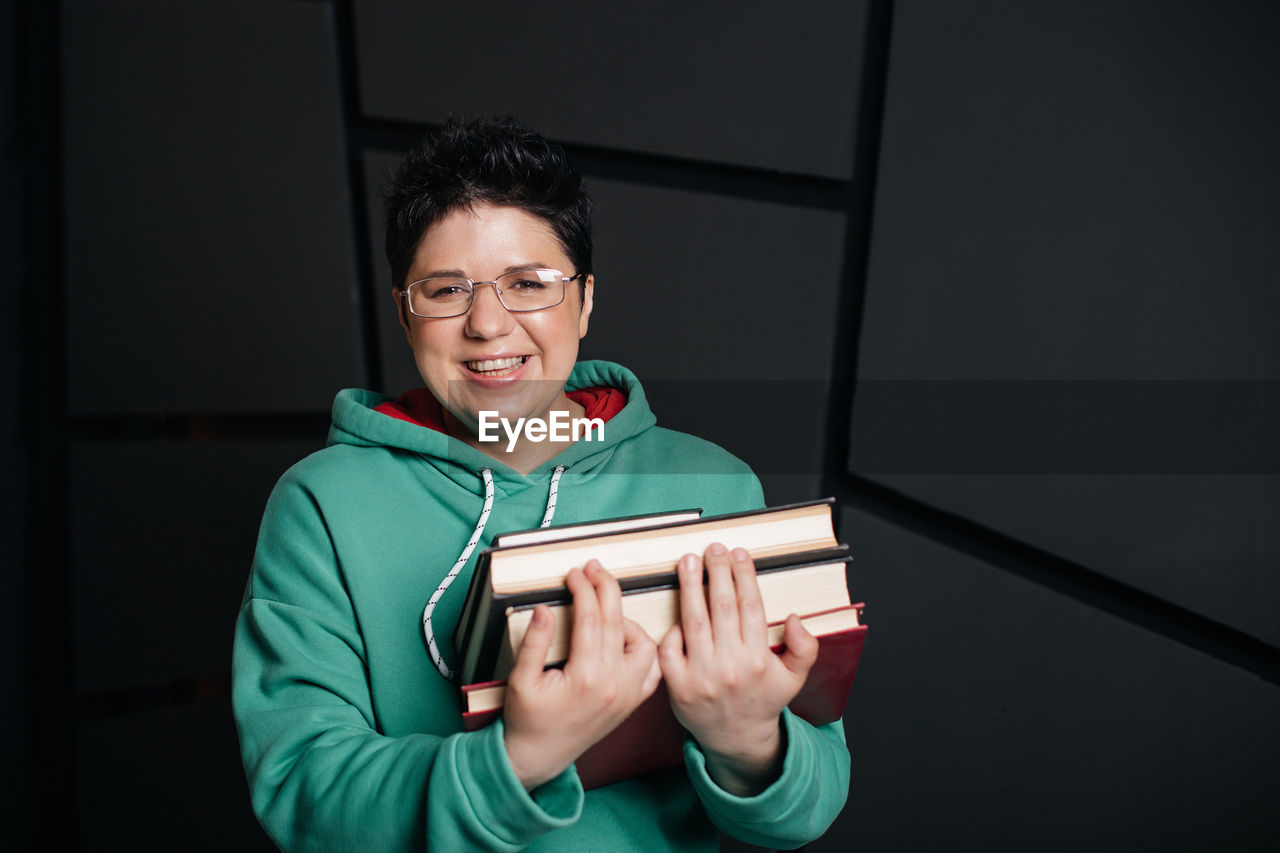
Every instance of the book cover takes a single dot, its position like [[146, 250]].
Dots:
[[802, 584], [485, 646], [478, 634], [764, 532], [558, 532], [473, 603], [652, 739]]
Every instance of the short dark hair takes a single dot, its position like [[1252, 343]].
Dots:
[[494, 160]]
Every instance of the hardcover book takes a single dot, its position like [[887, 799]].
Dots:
[[642, 554], [652, 739]]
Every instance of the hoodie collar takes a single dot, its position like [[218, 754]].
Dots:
[[357, 422]]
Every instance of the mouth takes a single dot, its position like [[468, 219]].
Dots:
[[493, 368]]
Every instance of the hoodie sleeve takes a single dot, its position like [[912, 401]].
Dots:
[[320, 775], [800, 804], [807, 797]]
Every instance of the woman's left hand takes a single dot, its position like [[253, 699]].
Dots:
[[727, 686]]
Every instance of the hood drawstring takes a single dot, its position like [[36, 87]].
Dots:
[[427, 611]]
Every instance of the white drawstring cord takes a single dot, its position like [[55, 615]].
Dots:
[[551, 496], [453, 573], [487, 475]]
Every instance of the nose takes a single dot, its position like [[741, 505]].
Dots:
[[488, 318]]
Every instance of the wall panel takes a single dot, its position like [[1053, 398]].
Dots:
[[1085, 193], [162, 539], [750, 84], [992, 714], [168, 778], [208, 256]]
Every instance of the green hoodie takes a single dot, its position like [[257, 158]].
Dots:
[[351, 739]]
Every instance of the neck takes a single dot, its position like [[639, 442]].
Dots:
[[522, 454]]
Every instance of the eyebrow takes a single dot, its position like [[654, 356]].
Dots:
[[456, 273]]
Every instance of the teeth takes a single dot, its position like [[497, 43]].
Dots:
[[495, 364]]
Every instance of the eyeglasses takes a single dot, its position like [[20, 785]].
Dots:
[[452, 296]]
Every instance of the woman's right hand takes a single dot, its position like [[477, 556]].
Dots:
[[552, 716]]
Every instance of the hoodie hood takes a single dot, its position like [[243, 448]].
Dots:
[[357, 422]]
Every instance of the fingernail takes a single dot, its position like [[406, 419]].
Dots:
[[741, 554], [716, 548], [689, 562]]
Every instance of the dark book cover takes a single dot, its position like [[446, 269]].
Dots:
[[481, 659], [651, 738], [483, 611]]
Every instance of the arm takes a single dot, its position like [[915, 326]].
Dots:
[[799, 805], [764, 775], [321, 775]]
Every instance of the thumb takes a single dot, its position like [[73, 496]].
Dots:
[[532, 655], [634, 637], [639, 651], [651, 678], [801, 648], [671, 655]]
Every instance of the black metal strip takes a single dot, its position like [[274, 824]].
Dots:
[[658, 170], [50, 771], [859, 209], [366, 255]]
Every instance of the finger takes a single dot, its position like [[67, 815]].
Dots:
[[671, 657], [694, 622], [532, 655], [802, 648], [640, 653], [635, 638], [609, 599], [651, 679], [755, 630], [584, 636], [722, 598]]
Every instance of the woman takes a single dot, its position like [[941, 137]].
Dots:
[[348, 715]]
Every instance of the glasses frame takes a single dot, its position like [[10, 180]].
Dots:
[[564, 283]]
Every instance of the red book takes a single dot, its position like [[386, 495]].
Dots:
[[651, 738]]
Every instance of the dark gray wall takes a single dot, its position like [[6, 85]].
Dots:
[[14, 499], [1082, 193], [1027, 341], [747, 83]]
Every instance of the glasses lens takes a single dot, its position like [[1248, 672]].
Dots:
[[439, 297], [531, 290]]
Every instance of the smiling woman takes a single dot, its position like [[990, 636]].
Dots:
[[345, 702], [493, 357]]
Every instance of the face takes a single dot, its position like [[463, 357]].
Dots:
[[490, 358]]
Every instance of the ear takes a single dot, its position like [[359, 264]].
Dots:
[[398, 296], [588, 300]]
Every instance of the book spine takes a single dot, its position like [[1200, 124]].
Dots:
[[493, 644], [768, 511], [668, 579]]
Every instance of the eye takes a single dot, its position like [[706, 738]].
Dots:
[[444, 289], [526, 285]]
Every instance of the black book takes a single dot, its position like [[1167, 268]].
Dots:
[[508, 577]]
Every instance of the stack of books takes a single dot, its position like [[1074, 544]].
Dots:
[[800, 567]]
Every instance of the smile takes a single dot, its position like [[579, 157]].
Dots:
[[497, 366]]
